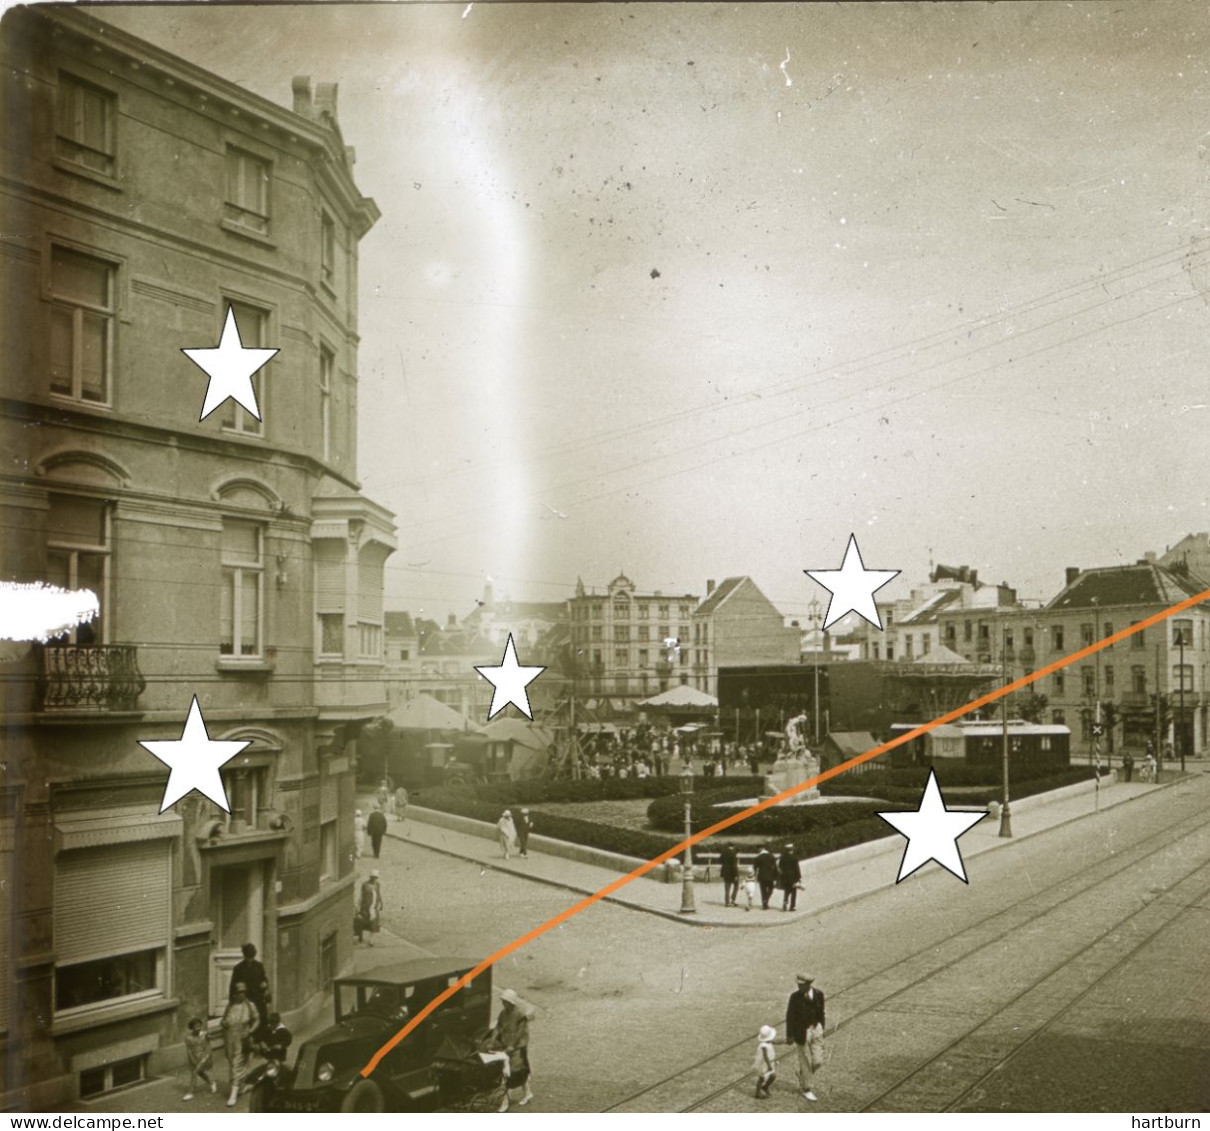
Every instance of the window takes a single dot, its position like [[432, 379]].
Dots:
[[1028, 633], [1088, 681], [621, 609], [644, 632], [369, 641], [240, 620], [110, 1077], [247, 794], [664, 632], [876, 656], [1138, 680], [1060, 682], [1008, 639], [598, 610], [685, 611], [1182, 678], [327, 251], [85, 126], [1182, 633], [966, 630], [404, 653], [622, 633], [327, 850], [951, 633], [1108, 631], [924, 644], [1086, 636], [684, 655], [908, 645], [621, 657], [705, 634], [77, 557], [81, 325], [1058, 717], [596, 658], [644, 612], [105, 979], [596, 632], [327, 364], [1056, 638], [665, 612], [644, 657], [890, 650], [1109, 677], [253, 325], [332, 635], [1138, 639], [247, 192]]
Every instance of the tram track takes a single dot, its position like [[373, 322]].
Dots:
[[868, 995]]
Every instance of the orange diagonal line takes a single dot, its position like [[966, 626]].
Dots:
[[760, 807]]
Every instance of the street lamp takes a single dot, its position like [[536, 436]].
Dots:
[[815, 610], [1180, 714], [1006, 824], [687, 904]]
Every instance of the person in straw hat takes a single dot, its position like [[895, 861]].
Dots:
[[766, 1061]]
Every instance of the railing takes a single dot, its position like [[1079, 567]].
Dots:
[[90, 677]]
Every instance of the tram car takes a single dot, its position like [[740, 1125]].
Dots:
[[1033, 748]]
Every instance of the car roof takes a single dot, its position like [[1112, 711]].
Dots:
[[415, 970]]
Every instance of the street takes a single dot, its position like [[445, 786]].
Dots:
[[1071, 974]]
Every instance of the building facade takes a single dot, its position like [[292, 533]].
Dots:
[[738, 625], [235, 559]]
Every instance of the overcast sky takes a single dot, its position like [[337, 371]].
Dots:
[[688, 291]]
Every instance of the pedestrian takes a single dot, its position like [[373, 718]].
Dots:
[[251, 972], [511, 1033], [274, 1039], [751, 889], [1151, 769], [789, 878], [376, 826], [728, 867], [240, 1021], [1128, 765], [383, 796], [766, 875], [201, 1061], [507, 832], [401, 803], [369, 908], [804, 1029], [524, 825], [766, 1061], [359, 834]]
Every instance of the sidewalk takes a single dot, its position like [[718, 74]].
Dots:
[[829, 881]]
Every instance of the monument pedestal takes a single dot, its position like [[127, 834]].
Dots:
[[788, 772]]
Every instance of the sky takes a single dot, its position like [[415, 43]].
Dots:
[[686, 291]]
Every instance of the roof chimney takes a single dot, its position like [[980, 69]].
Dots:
[[325, 100], [1072, 573], [451, 621], [709, 588], [302, 95]]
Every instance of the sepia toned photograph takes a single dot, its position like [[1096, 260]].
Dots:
[[605, 557]]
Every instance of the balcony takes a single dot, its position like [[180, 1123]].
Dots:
[[90, 677]]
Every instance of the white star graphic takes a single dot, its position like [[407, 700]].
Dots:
[[230, 367], [932, 832], [195, 759], [510, 680], [852, 586]]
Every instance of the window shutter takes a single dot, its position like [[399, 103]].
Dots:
[[329, 576], [369, 583], [112, 900]]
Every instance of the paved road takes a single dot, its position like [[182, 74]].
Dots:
[[1070, 974]]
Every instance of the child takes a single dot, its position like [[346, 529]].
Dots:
[[197, 1051], [766, 1062], [751, 891]]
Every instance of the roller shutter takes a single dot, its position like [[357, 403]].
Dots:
[[329, 576], [112, 900]]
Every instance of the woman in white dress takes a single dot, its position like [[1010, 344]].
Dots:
[[507, 831]]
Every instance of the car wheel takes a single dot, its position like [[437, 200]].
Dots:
[[257, 1098], [365, 1097]]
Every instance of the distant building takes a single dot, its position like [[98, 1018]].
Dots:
[[234, 559], [736, 625], [1192, 552], [527, 622]]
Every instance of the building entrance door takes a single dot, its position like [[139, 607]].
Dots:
[[237, 897]]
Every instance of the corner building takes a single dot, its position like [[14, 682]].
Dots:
[[235, 559]]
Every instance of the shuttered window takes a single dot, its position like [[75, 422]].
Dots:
[[112, 900]]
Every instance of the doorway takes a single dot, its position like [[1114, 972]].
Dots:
[[237, 898]]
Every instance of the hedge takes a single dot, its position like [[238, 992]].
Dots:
[[897, 786], [535, 791], [668, 814]]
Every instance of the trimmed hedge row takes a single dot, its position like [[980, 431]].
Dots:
[[535, 791], [885, 788], [627, 842], [668, 814]]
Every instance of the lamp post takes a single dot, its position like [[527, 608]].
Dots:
[[1180, 714], [687, 904], [1006, 824], [815, 610]]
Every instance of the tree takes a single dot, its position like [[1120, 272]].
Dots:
[[1032, 707]]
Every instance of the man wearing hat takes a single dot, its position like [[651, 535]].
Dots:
[[804, 1030], [512, 1035], [789, 878], [523, 826], [765, 866]]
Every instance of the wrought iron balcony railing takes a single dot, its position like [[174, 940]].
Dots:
[[90, 677]]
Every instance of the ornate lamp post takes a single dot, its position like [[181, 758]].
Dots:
[[1006, 824], [688, 907]]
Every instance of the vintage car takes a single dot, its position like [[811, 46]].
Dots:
[[370, 1009]]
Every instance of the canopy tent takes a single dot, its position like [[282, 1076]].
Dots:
[[681, 696], [519, 732], [426, 713]]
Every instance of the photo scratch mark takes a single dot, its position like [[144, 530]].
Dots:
[[39, 611], [785, 73], [467, 10]]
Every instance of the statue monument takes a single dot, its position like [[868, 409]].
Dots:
[[794, 764]]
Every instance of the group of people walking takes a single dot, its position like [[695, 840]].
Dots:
[[765, 875], [804, 1031], [513, 832], [247, 1027]]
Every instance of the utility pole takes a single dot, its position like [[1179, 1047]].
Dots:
[[1006, 825], [1180, 715], [1159, 743]]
